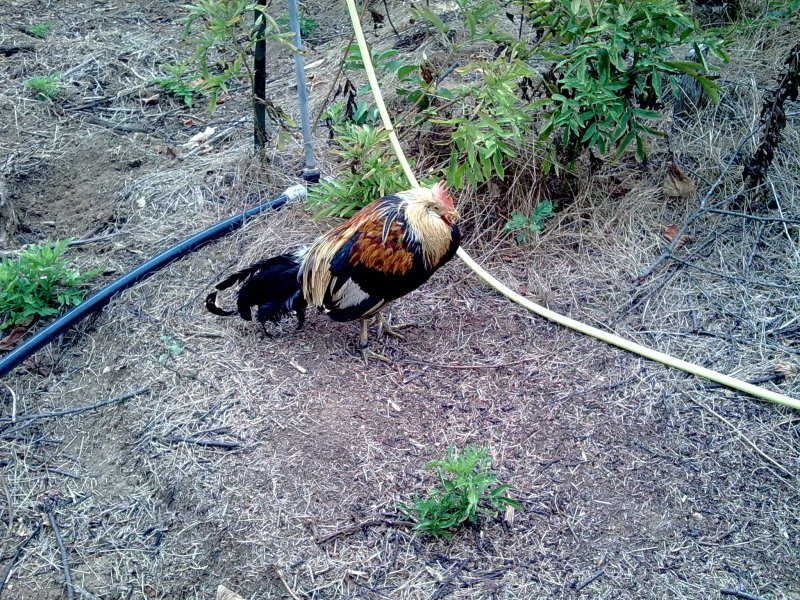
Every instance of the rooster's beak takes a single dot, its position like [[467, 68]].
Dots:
[[451, 216]]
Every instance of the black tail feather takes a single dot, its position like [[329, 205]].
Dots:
[[270, 284]]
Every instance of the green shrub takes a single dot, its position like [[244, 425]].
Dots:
[[491, 127], [39, 283], [373, 172], [467, 487], [224, 37], [610, 62], [46, 87]]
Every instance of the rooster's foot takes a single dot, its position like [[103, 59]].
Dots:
[[384, 328], [366, 354]]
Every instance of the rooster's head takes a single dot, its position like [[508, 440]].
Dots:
[[442, 203]]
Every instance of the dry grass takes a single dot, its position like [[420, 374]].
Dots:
[[624, 467]]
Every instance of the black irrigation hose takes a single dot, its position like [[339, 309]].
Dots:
[[142, 272]]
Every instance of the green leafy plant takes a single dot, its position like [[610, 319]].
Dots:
[[307, 24], [172, 347], [182, 82], [40, 30], [485, 136], [224, 36], [610, 61], [416, 81], [39, 283], [46, 87], [779, 10], [467, 487], [477, 18], [523, 225], [372, 174]]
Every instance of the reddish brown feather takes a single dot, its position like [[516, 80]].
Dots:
[[389, 255]]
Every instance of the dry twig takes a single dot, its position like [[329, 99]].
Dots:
[[74, 411], [61, 548], [16, 557]]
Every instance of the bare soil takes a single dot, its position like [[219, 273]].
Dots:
[[254, 458]]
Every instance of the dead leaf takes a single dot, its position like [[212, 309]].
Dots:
[[188, 123], [224, 593], [677, 184], [314, 64], [200, 138], [10, 341], [671, 232], [788, 369], [223, 98], [300, 368], [508, 517], [150, 99], [426, 69], [494, 191]]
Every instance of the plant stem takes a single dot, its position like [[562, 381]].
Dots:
[[260, 80]]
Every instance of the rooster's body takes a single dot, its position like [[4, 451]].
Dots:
[[386, 250]]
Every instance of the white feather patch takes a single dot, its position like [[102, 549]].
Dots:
[[349, 295]]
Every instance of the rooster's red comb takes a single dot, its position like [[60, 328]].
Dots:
[[441, 194]]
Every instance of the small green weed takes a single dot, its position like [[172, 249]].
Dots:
[[172, 347], [40, 30], [467, 487], [523, 225], [39, 283], [307, 24], [182, 83], [46, 87]]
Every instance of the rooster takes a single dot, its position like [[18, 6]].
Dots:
[[386, 250]]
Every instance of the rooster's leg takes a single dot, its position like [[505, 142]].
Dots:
[[393, 330], [363, 344]]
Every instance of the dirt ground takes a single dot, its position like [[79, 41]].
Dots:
[[273, 464]]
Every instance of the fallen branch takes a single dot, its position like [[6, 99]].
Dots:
[[10, 50], [736, 278], [200, 442], [16, 557], [446, 587], [742, 595], [74, 411], [62, 549], [124, 127], [745, 439], [47, 469], [594, 577], [703, 208], [756, 381], [286, 583], [361, 526]]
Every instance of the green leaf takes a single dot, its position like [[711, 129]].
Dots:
[[710, 88]]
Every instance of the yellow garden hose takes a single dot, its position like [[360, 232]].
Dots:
[[605, 336]]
